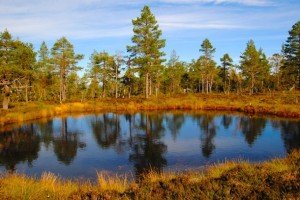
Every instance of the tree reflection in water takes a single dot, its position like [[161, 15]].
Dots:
[[66, 145], [141, 139], [251, 128], [106, 129], [21, 145], [147, 149], [208, 130], [226, 121], [174, 123], [290, 133]]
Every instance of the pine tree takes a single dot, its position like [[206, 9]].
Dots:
[[291, 51], [276, 62], [173, 73], [16, 65], [226, 62], [146, 50], [255, 67], [209, 66], [64, 60]]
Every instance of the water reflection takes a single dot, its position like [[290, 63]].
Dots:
[[208, 130], [226, 121], [147, 150], [106, 128], [290, 132], [21, 145], [142, 141], [252, 128], [67, 143], [174, 123]]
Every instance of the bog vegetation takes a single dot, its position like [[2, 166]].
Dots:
[[276, 179], [51, 74]]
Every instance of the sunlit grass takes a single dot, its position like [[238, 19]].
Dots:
[[23, 187], [153, 176], [216, 170], [275, 179], [112, 183], [283, 104]]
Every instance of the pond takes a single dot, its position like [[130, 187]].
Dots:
[[79, 146]]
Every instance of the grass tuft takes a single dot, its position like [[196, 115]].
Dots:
[[275, 179], [115, 183]]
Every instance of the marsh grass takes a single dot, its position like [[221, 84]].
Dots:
[[275, 179], [49, 186], [283, 104], [114, 183]]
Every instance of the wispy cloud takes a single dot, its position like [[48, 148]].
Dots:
[[94, 19], [74, 19], [242, 2]]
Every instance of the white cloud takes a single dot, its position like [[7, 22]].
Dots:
[[90, 19], [243, 2]]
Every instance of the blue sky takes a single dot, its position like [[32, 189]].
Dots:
[[106, 25]]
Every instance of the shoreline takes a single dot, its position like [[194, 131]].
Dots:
[[274, 179], [253, 105]]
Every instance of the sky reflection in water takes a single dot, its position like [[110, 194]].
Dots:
[[133, 143]]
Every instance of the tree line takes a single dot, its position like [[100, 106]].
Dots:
[[51, 74]]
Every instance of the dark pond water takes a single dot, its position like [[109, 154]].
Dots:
[[77, 147]]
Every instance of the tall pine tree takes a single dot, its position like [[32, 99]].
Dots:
[[64, 60], [255, 67], [209, 66], [147, 45], [291, 51]]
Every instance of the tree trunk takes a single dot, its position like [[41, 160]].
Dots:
[[129, 92], [26, 93], [116, 82], [147, 85], [229, 86], [60, 87], [6, 97], [211, 85], [64, 89], [150, 85], [224, 79], [299, 78], [202, 83], [206, 84], [252, 84]]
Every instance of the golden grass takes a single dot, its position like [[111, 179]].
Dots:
[[275, 179], [216, 170], [281, 104], [23, 187], [154, 176], [112, 183]]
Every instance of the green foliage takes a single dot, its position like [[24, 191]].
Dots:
[[64, 60], [51, 75], [146, 49], [17, 64], [255, 67], [291, 50], [207, 48], [276, 63], [101, 72], [204, 70], [173, 74], [226, 61]]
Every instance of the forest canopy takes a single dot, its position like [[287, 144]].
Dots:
[[51, 74]]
